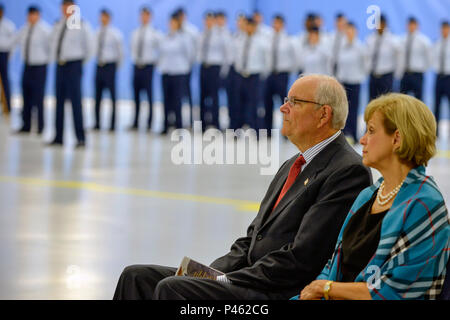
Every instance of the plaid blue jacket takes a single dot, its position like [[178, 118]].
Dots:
[[413, 251]]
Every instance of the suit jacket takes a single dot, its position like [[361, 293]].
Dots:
[[286, 249]]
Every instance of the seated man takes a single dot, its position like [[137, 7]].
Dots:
[[299, 219]]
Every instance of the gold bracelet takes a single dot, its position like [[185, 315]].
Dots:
[[326, 289]]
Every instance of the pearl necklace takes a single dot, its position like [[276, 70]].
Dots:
[[382, 200]]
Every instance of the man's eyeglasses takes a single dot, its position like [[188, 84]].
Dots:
[[292, 101]]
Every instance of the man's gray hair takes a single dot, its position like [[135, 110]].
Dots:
[[330, 91]]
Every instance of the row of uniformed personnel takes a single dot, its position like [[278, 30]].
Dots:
[[254, 53]]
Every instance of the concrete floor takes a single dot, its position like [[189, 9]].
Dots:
[[71, 220]]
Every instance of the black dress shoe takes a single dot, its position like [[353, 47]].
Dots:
[[22, 131], [80, 144], [55, 143]]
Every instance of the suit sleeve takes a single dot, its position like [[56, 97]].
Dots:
[[299, 262], [237, 258]]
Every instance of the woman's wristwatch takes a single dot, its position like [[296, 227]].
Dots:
[[326, 289]]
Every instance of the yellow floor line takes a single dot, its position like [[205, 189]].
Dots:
[[240, 205], [443, 154]]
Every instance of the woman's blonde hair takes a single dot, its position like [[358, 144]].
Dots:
[[414, 121]]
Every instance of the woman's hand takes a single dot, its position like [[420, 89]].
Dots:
[[313, 291]]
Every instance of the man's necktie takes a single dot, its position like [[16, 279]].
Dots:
[[276, 40], [60, 40], [408, 52], [376, 53], [293, 173], [101, 44], [140, 48], [205, 47], [245, 55], [442, 56], [336, 47], [27, 44]]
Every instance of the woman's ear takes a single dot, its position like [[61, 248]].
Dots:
[[397, 140]]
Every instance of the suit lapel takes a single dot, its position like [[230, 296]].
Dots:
[[305, 178], [266, 206]]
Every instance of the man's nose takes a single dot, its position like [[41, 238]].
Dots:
[[284, 108]]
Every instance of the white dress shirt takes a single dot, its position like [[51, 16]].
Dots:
[[213, 47], [441, 49], [388, 52], [177, 52], [77, 43], [419, 55], [264, 30], [37, 42], [315, 59], [7, 35], [108, 45], [352, 62], [192, 34], [281, 51], [251, 55], [334, 41], [148, 40], [300, 41]]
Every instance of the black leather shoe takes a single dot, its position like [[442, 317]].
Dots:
[[22, 131], [80, 144], [55, 143]]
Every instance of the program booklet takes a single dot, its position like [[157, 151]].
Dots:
[[192, 268]]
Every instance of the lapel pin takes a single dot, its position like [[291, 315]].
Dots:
[[306, 181]]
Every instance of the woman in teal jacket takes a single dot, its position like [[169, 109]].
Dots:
[[395, 241]]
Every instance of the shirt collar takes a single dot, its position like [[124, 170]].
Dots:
[[315, 150]]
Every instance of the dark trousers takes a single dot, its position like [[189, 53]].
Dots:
[[353, 106], [412, 82], [5, 78], [187, 92], [275, 85], [232, 89], [209, 94], [441, 90], [153, 282], [173, 90], [248, 99], [33, 89], [105, 78], [143, 80], [380, 84], [68, 86]]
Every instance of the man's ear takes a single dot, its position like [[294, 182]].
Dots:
[[326, 115]]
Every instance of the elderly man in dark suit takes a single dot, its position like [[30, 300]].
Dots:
[[299, 219]]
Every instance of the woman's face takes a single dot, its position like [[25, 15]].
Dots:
[[378, 146]]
